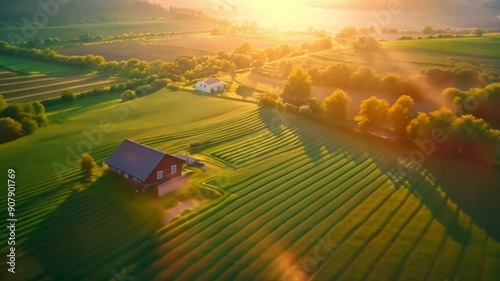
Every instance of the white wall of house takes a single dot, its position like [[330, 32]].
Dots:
[[202, 86]]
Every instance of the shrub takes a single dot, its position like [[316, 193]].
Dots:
[[87, 164], [269, 100], [10, 129], [67, 96], [3, 103], [41, 120], [128, 95], [336, 104], [29, 125], [373, 112]]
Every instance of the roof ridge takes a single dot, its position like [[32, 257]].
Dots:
[[148, 147]]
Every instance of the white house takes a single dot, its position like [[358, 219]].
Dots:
[[210, 85]]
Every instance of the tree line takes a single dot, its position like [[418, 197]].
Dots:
[[133, 88], [482, 102], [466, 134], [365, 79], [187, 68]]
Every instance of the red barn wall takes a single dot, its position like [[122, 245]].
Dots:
[[164, 165]]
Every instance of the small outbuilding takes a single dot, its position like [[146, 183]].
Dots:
[[142, 166], [211, 85]]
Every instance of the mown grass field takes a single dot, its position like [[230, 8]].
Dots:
[[24, 80], [485, 46], [292, 186]]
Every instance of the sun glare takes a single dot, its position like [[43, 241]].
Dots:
[[282, 12]]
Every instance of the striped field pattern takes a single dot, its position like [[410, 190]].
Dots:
[[302, 202], [21, 88]]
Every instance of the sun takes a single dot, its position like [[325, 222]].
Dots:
[[281, 12]]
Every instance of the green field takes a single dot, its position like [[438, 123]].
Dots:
[[28, 66], [289, 183], [409, 56], [24, 80], [485, 46]]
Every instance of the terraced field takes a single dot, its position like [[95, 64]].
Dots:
[[17, 87], [301, 201]]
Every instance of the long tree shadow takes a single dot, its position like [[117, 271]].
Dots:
[[273, 119], [439, 184], [83, 235], [473, 188]]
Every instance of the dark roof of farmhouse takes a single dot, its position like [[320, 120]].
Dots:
[[135, 159], [212, 81]]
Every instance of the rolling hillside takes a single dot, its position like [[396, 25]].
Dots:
[[301, 201]]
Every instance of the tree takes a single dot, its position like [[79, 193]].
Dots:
[[366, 43], [14, 111], [479, 32], [373, 111], [285, 66], [38, 107], [3, 103], [425, 123], [298, 85], [67, 96], [87, 164], [10, 129], [29, 125], [258, 64], [399, 114], [336, 104], [128, 95], [85, 37], [393, 84], [474, 138], [243, 48], [470, 128], [427, 29], [364, 79], [41, 120]]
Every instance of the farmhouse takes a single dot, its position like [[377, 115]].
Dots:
[[211, 85], [142, 166]]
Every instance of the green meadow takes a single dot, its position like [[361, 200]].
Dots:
[[301, 200], [484, 46], [408, 56], [33, 67]]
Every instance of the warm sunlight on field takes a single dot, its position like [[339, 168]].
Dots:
[[228, 140]]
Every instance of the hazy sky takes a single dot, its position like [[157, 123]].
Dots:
[[296, 14]]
